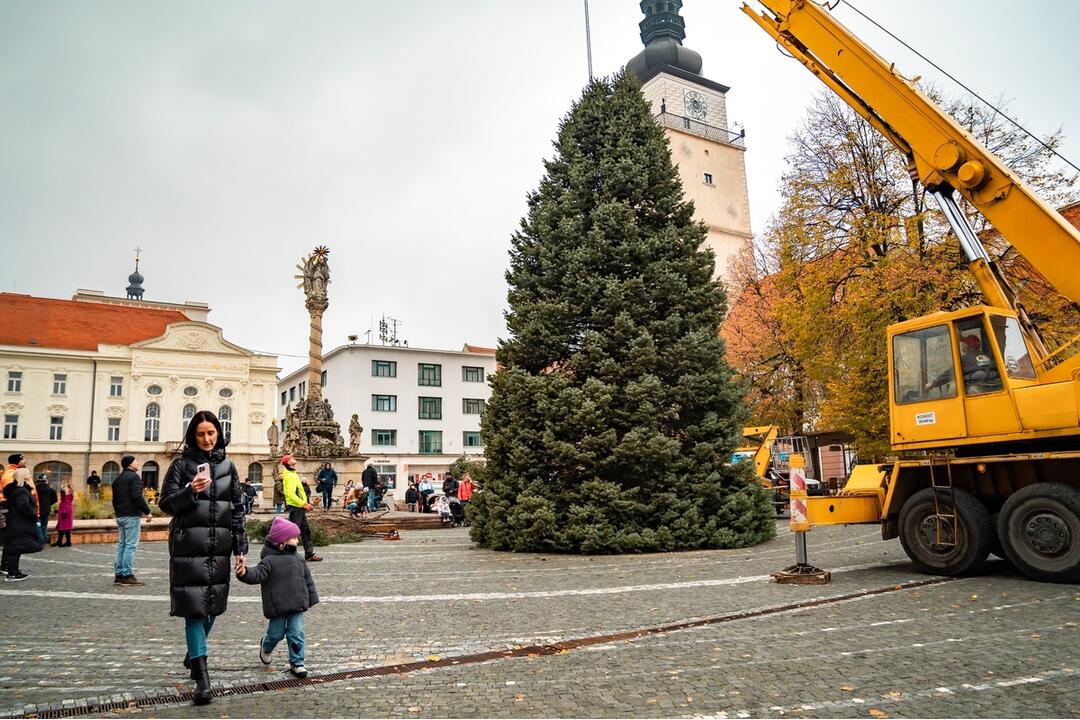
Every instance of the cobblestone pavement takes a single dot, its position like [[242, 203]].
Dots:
[[993, 646]]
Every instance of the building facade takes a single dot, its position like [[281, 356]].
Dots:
[[88, 380], [419, 409], [693, 112]]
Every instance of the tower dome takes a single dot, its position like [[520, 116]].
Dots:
[[135, 280], [663, 31]]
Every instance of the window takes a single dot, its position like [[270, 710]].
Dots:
[[153, 390], [185, 418], [292, 394], [708, 179], [384, 437], [109, 472], [56, 428], [113, 430], [149, 472], [116, 386], [387, 475], [430, 441], [284, 397], [152, 427], [472, 406], [225, 393], [282, 425], [14, 381], [430, 408], [383, 368], [977, 364], [255, 472], [430, 375], [191, 391], [384, 403], [11, 427], [923, 365], [59, 384], [1013, 348], [58, 472], [302, 391], [225, 416], [472, 374], [471, 439], [322, 379]]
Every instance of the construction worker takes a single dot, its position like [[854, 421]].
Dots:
[[296, 501]]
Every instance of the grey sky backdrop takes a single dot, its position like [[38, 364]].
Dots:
[[228, 138]]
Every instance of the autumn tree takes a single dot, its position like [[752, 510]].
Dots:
[[614, 414]]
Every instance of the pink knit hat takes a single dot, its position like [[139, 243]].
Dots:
[[282, 530]]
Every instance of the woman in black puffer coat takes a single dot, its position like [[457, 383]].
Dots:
[[21, 535], [207, 527]]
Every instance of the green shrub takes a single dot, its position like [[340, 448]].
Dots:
[[257, 529], [87, 508]]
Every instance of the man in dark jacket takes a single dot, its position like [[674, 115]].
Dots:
[[21, 533], [327, 479], [129, 506], [46, 497], [370, 480]]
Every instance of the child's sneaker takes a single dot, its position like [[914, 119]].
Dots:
[[298, 670], [264, 656]]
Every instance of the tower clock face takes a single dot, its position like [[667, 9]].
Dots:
[[695, 105]]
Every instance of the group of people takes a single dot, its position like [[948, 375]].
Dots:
[[25, 508], [421, 497]]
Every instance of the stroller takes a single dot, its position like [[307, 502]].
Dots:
[[457, 512]]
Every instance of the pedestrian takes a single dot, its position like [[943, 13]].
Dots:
[[465, 493], [129, 507], [46, 497], [412, 497], [288, 591], [248, 491], [201, 492], [279, 494], [327, 479], [450, 486], [93, 484], [426, 491], [65, 516], [296, 500], [354, 500], [370, 480], [16, 473], [21, 534]]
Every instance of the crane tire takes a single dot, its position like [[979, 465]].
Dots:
[[967, 546], [1040, 530]]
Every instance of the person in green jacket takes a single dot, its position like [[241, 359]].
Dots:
[[296, 502]]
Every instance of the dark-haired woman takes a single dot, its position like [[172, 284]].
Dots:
[[202, 493]]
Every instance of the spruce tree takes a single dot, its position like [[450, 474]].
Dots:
[[614, 414]]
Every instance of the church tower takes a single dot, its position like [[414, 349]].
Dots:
[[693, 112]]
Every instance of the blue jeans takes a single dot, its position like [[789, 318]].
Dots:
[[277, 508], [43, 529], [126, 543], [371, 499], [286, 626], [327, 495], [196, 631]]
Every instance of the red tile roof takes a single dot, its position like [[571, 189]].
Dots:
[[479, 350], [73, 325]]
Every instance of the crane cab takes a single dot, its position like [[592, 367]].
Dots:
[[968, 377]]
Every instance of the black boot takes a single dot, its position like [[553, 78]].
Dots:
[[187, 666], [199, 671]]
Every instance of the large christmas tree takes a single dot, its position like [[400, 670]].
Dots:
[[614, 415]]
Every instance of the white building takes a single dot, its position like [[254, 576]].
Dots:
[[419, 409], [88, 380]]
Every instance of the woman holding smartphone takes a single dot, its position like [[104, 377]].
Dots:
[[202, 493]]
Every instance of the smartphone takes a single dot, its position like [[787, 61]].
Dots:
[[202, 470]]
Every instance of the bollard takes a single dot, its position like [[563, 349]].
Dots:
[[802, 572]]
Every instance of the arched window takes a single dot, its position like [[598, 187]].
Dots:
[[58, 472], [225, 416], [189, 412], [109, 472], [152, 432], [255, 473], [149, 474]]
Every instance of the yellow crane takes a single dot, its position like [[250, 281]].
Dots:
[[983, 415]]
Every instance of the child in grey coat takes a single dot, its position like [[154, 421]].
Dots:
[[287, 592]]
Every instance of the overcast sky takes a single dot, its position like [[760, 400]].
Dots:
[[227, 138]]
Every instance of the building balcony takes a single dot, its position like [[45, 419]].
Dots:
[[696, 127]]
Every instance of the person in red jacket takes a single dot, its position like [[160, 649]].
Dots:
[[465, 492]]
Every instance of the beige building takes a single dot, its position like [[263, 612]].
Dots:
[[88, 380], [693, 111]]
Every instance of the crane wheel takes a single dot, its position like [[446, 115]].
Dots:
[[938, 545], [1040, 529]]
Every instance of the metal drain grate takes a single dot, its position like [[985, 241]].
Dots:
[[410, 667]]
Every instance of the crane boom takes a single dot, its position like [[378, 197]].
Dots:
[[944, 156]]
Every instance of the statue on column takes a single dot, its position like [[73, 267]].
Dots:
[[355, 430]]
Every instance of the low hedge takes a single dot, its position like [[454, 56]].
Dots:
[[257, 529]]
